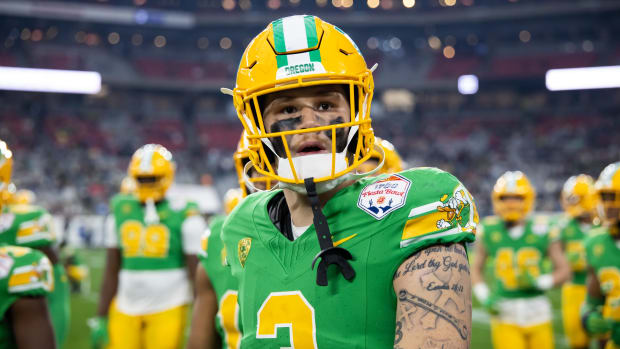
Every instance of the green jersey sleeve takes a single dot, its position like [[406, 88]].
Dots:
[[440, 210], [31, 226]]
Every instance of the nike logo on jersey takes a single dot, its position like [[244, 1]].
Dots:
[[336, 243]]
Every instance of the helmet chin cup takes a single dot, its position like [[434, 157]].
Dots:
[[322, 187]]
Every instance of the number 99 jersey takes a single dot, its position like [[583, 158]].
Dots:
[[514, 257], [153, 276], [381, 221]]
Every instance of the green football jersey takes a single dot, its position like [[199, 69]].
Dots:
[[514, 256], [381, 221], [225, 285], [603, 255], [150, 247], [31, 226], [572, 234], [23, 273], [25, 225]]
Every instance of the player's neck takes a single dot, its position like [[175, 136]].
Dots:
[[299, 205]]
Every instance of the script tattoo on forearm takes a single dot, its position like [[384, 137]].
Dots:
[[434, 299]]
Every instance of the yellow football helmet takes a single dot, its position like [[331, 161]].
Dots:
[[579, 196], [152, 168], [513, 184], [295, 52], [392, 163], [231, 199], [128, 185], [6, 169], [241, 158], [608, 189]]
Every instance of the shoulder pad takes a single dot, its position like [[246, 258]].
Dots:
[[30, 272], [491, 220], [24, 209]]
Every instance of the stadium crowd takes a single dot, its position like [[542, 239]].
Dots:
[[78, 147]]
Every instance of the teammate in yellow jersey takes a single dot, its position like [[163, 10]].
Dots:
[[601, 312], [579, 202], [392, 162], [517, 243], [151, 260], [214, 322]]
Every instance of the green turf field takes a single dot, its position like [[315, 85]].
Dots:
[[83, 306]]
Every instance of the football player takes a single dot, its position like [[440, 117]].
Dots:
[[518, 243], [31, 226], [215, 317], [399, 275], [151, 260], [26, 279], [579, 202], [601, 313], [392, 162]]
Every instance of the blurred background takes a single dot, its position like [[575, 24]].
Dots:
[[162, 63]]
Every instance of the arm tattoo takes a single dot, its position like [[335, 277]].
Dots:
[[434, 299], [459, 325]]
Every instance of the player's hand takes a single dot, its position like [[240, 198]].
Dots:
[[98, 331], [596, 324], [525, 280], [491, 306]]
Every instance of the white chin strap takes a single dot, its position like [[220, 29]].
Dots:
[[321, 167]]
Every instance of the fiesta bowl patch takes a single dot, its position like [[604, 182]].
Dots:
[[384, 196]]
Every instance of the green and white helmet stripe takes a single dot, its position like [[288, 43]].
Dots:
[[296, 33]]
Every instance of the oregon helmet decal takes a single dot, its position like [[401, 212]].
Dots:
[[579, 196], [295, 52], [153, 170], [513, 184], [608, 189]]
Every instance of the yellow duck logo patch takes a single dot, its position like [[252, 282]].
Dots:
[[243, 250]]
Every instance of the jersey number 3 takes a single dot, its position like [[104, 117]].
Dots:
[[140, 241], [292, 310]]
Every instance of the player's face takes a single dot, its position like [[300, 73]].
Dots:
[[612, 212], [306, 108], [513, 202]]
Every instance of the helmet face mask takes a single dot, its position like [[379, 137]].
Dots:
[[513, 196], [392, 162], [241, 157], [302, 52], [152, 169]]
